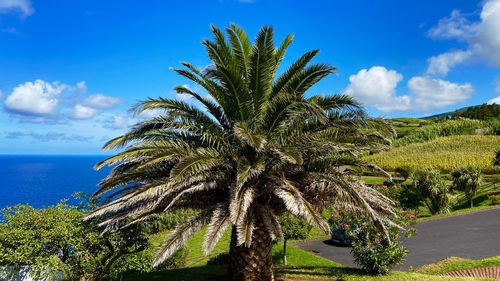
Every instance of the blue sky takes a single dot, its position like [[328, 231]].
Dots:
[[69, 70]]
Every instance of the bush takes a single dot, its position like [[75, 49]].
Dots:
[[467, 179], [222, 258], [370, 249], [431, 189], [404, 171], [57, 237], [495, 199]]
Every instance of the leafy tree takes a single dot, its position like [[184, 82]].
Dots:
[[467, 179], [256, 148], [496, 160], [404, 171], [293, 228], [432, 189], [56, 237]]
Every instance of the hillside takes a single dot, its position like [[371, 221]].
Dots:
[[450, 113], [444, 153]]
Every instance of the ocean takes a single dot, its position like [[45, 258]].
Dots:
[[41, 180]]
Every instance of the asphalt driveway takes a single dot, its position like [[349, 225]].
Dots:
[[471, 236]]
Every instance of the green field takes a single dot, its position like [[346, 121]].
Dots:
[[443, 153]]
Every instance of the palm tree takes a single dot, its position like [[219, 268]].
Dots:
[[250, 149]]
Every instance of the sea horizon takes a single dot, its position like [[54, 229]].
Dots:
[[42, 180]]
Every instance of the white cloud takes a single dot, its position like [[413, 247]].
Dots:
[[431, 93], [23, 6], [494, 100], [93, 104], [34, 98], [442, 64], [377, 87], [487, 38], [456, 26], [150, 113], [482, 36], [100, 101], [83, 112], [118, 121]]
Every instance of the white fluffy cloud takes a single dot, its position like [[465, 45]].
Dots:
[[34, 98], [101, 101], [47, 102], [118, 121], [442, 64], [83, 112], [432, 93], [494, 100], [482, 36], [377, 87], [23, 6], [93, 104]]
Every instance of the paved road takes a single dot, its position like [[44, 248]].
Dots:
[[471, 236]]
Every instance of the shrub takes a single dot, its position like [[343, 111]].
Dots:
[[404, 171], [370, 249], [495, 199], [467, 179], [58, 238], [431, 189], [496, 160]]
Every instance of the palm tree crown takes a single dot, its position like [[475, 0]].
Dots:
[[255, 147]]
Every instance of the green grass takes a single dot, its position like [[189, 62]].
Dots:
[[303, 265], [452, 264]]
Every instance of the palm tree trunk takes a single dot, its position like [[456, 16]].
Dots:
[[254, 263]]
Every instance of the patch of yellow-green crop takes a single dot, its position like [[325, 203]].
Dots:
[[443, 153]]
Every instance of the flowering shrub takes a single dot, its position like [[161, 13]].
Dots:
[[370, 248]]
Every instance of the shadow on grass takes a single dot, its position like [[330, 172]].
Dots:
[[208, 272], [338, 272], [478, 201]]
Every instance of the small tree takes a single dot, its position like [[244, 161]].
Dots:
[[467, 179], [293, 228], [404, 171], [432, 189]]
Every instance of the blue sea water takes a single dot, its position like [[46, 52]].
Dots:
[[42, 180]]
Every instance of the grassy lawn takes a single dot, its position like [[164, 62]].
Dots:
[[452, 264], [303, 265]]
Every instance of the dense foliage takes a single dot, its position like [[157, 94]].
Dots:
[[432, 189], [444, 154], [56, 237], [293, 228], [467, 179], [404, 171], [254, 145], [482, 112]]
